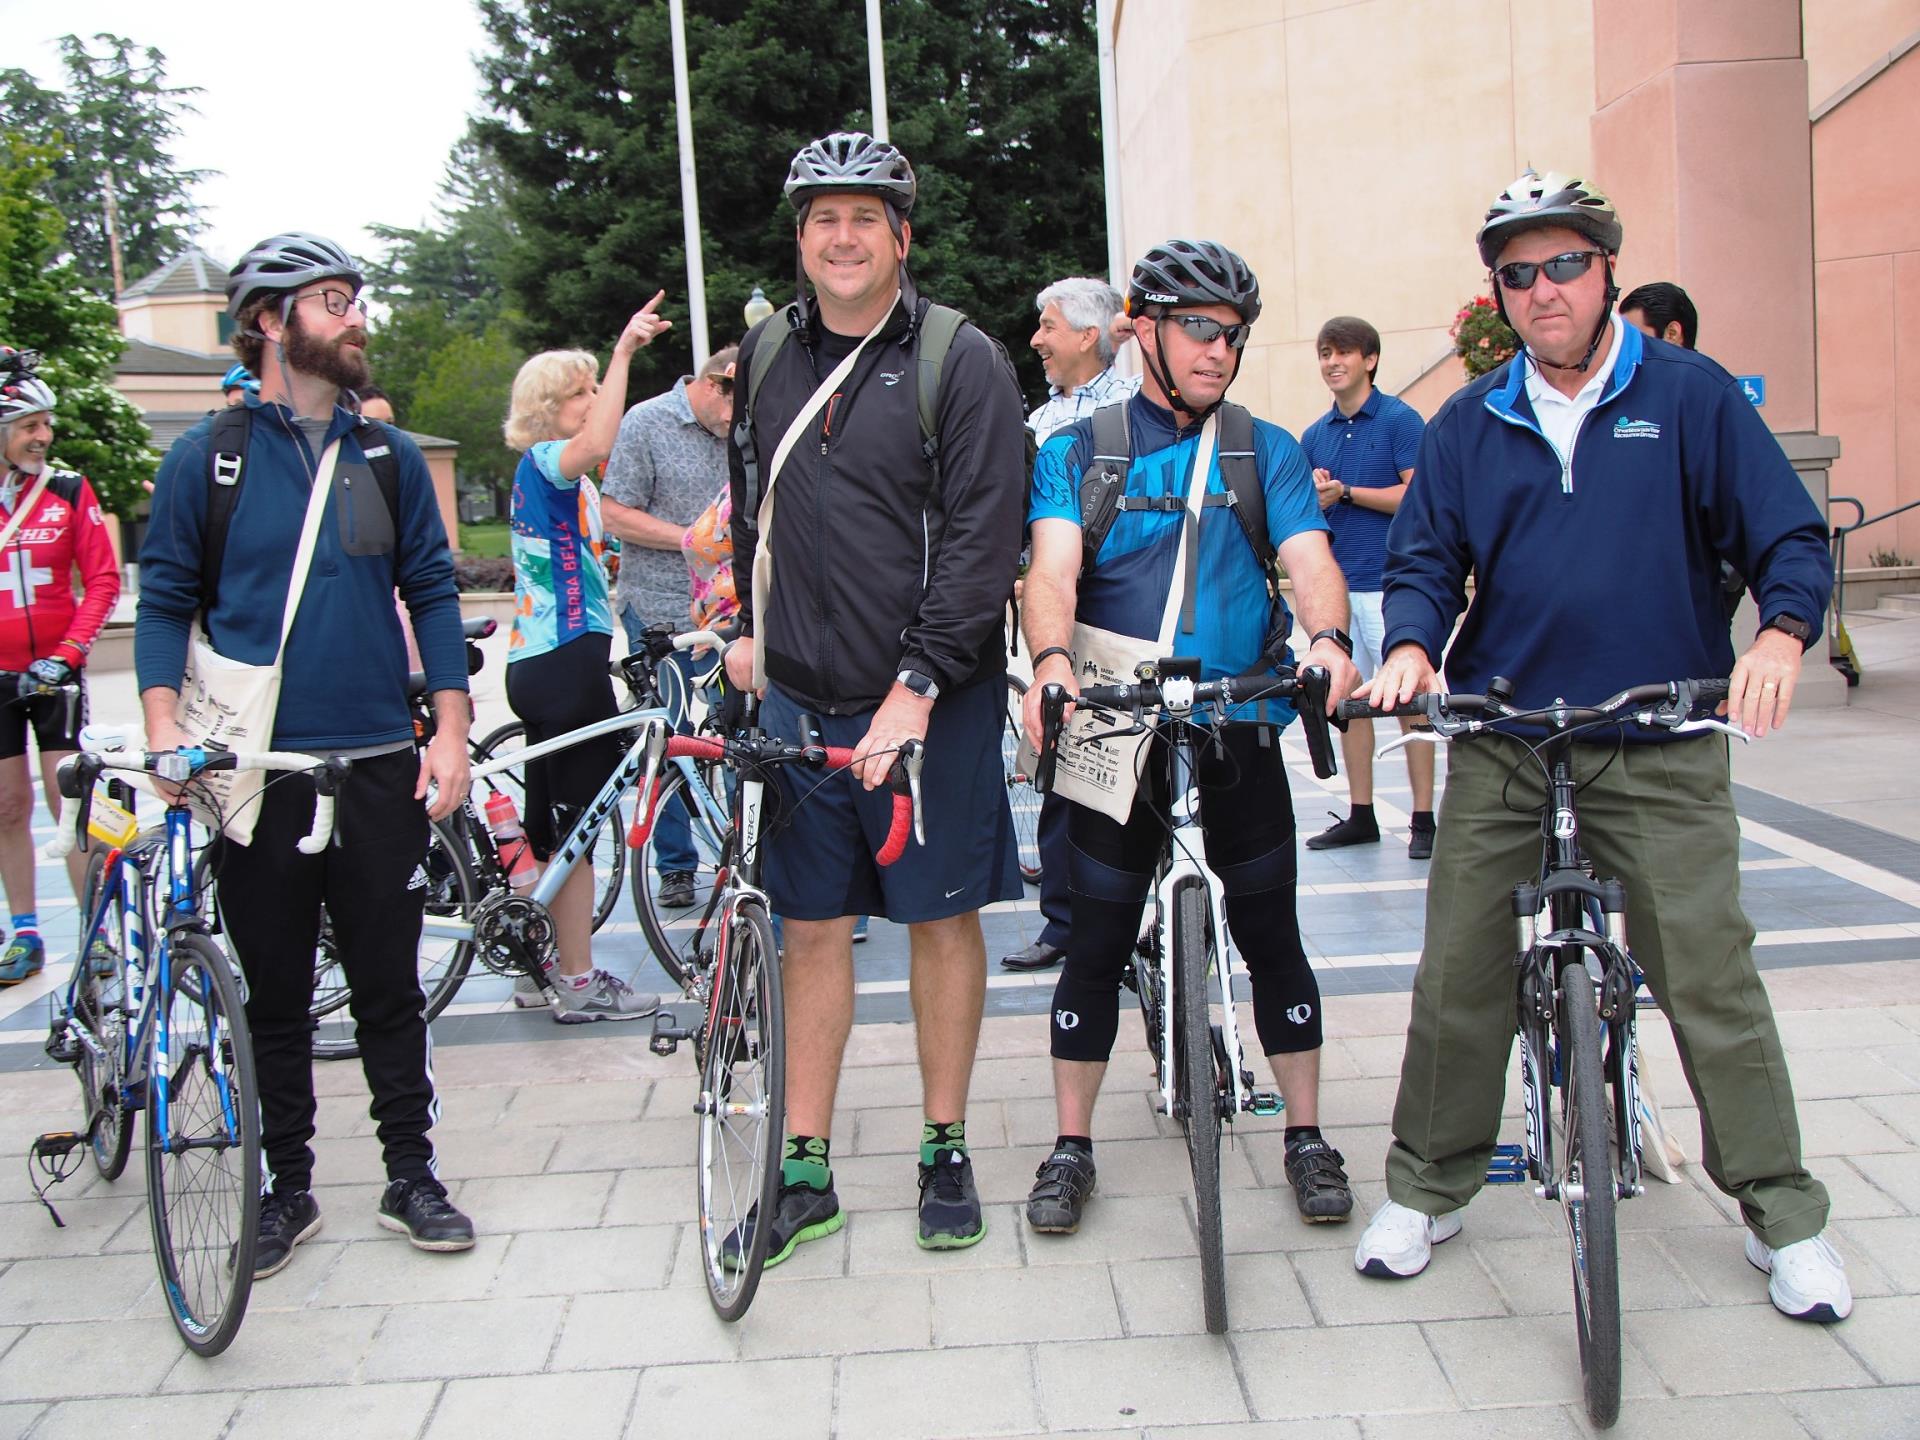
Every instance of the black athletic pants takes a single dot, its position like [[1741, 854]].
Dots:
[[373, 884]]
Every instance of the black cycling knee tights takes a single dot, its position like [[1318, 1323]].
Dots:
[[1266, 932], [1107, 902]]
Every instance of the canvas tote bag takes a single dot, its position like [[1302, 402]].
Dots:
[[228, 704]]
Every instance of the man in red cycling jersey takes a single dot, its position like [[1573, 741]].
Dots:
[[50, 525]]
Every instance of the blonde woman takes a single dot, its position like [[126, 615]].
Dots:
[[557, 679]]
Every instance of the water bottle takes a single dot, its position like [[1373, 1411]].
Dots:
[[516, 855]]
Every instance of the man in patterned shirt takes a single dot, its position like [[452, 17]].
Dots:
[[670, 459], [1074, 341]]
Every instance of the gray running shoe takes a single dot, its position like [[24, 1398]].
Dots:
[[526, 993], [605, 997]]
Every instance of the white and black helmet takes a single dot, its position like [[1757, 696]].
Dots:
[[1535, 201], [850, 162], [21, 391], [287, 262], [1193, 272]]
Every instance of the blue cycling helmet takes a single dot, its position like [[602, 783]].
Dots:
[[239, 375]]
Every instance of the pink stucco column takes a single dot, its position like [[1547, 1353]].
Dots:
[[1701, 137]]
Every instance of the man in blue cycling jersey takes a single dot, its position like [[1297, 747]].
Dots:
[[1593, 486], [1178, 562]]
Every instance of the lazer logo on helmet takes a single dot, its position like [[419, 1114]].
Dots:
[[1156, 299]]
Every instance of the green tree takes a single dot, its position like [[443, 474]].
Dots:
[[46, 306], [994, 101], [463, 396], [112, 127]]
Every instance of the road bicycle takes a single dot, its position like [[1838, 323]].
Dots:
[[1182, 969], [1022, 799], [733, 977], [161, 1026], [1574, 1000]]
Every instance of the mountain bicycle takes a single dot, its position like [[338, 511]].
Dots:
[[1182, 969], [1575, 983], [162, 1027], [733, 975]]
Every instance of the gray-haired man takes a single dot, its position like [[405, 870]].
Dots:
[[1074, 341]]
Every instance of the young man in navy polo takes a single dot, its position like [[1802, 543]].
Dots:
[[1362, 452]]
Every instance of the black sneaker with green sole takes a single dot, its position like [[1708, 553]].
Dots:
[[800, 1214], [950, 1217]]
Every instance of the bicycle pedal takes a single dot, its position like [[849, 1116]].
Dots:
[[1508, 1165], [1265, 1102], [57, 1144], [666, 1034], [62, 1048]]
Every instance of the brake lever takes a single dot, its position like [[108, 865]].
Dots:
[[1411, 737], [1694, 727], [911, 757]]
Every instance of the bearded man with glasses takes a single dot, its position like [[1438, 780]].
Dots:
[[1592, 486]]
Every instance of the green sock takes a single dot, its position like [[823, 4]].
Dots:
[[935, 1136], [805, 1162]]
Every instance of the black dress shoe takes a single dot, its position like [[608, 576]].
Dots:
[[1037, 956]]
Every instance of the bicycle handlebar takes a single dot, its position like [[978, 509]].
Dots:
[[77, 774], [1665, 705], [1307, 686], [27, 687]]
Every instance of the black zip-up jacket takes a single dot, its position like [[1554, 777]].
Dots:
[[875, 568]]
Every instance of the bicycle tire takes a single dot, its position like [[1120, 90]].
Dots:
[[676, 935], [100, 1006], [1198, 1079], [203, 1177], [607, 853], [452, 889], [743, 1078], [1587, 1162], [1022, 799]]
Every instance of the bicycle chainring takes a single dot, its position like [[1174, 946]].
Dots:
[[513, 935]]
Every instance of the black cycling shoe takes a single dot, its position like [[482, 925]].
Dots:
[[1349, 831], [676, 889], [1061, 1188], [285, 1220], [419, 1209], [801, 1213], [1319, 1184], [950, 1217]]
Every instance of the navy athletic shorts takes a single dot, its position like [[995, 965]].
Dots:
[[819, 862]]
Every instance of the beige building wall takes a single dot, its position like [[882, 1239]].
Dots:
[[189, 322], [1347, 148], [1844, 37]]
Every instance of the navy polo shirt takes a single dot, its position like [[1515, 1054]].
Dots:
[[1367, 449]]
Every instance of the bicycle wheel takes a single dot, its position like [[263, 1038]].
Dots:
[[742, 1110], [675, 933], [203, 1147], [100, 1006], [1022, 798], [607, 853], [1195, 1072], [452, 890], [1585, 1182]]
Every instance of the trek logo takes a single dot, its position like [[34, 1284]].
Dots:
[[1625, 429], [891, 378]]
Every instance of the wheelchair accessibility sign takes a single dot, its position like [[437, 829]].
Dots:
[[1754, 387]]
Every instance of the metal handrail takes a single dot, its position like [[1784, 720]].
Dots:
[[1839, 646]]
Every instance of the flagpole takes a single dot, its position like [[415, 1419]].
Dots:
[[689, 191], [877, 70]]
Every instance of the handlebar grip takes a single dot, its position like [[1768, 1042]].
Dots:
[[643, 814], [1053, 707], [898, 830], [315, 840], [1311, 684], [695, 747], [839, 757], [1708, 692], [1363, 710]]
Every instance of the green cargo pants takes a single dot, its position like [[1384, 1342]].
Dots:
[[1661, 819]]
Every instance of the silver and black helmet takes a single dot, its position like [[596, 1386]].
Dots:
[[21, 391], [1193, 272], [287, 262], [1536, 201], [850, 162]]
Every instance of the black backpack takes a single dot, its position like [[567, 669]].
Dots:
[[1103, 491], [232, 430]]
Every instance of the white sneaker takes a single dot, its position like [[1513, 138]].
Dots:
[[1808, 1278], [527, 994], [1398, 1242]]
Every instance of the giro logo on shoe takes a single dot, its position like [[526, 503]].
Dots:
[[1300, 1014], [1625, 429], [419, 880], [1066, 1019], [891, 378]]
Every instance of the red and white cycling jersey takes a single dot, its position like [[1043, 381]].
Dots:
[[64, 531]]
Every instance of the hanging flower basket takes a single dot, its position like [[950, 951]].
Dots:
[[1481, 339]]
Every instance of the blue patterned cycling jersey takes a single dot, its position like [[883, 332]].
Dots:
[[559, 583], [1126, 590]]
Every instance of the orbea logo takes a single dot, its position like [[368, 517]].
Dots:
[[1625, 429]]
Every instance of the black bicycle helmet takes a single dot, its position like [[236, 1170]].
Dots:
[[1193, 272], [1535, 201], [850, 162], [287, 262]]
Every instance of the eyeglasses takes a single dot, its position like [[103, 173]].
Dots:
[[1521, 274], [338, 302], [1205, 331]]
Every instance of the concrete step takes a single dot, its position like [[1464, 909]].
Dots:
[[1904, 604]]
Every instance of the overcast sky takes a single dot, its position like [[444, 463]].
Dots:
[[323, 118]]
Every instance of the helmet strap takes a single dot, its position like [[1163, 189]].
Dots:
[[1163, 373]]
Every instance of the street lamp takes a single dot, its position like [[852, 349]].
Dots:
[[758, 307]]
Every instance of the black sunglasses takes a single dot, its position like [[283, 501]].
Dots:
[[1205, 331], [1521, 274]]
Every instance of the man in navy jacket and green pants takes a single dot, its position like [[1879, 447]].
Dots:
[[1591, 487]]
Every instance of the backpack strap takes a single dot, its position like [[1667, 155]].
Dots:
[[1103, 484], [376, 443], [773, 335], [1240, 473], [232, 431], [933, 338]]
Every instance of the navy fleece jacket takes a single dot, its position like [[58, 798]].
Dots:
[[1610, 578]]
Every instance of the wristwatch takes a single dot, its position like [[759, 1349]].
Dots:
[[1791, 625], [1346, 494], [921, 685], [1337, 636]]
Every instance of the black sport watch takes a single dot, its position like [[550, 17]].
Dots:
[[921, 685], [1791, 625], [1337, 636]]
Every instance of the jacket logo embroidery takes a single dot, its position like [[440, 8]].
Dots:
[[891, 378], [1625, 429]]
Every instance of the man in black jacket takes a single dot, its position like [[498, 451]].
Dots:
[[881, 561]]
